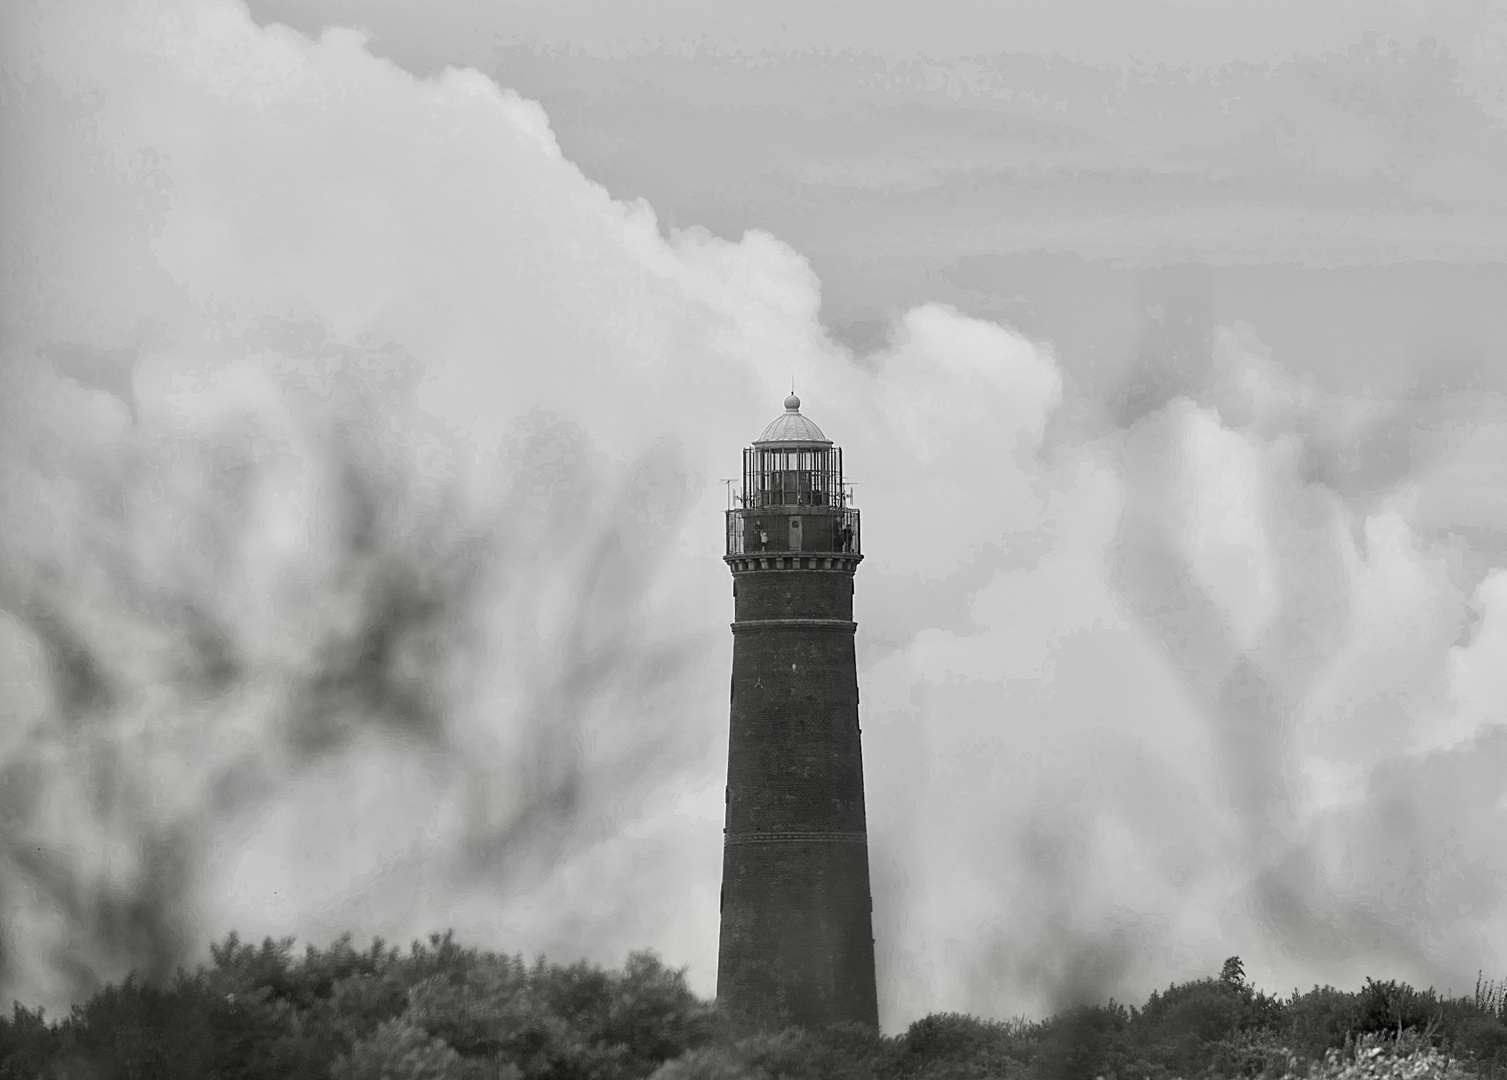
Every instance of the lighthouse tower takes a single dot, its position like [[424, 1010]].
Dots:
[[797, 939]]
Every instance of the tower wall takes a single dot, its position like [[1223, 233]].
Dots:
[[796, 938]]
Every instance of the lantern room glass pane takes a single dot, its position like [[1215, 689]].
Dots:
[[792, 476]]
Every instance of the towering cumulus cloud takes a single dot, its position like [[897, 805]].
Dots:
[[349, 440], [359, 569]]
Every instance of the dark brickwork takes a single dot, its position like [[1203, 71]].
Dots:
[[795, 594], [796, 941]]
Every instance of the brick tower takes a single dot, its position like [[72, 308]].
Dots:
[[797, 940]]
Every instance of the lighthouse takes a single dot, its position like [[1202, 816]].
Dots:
[[796, 942]]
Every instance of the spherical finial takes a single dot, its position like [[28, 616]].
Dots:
[[792, 403]]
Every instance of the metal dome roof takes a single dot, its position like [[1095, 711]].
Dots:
[[792, 427]]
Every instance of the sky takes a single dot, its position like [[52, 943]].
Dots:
[[368, 377]]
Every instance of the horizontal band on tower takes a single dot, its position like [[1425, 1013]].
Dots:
[[840, 563], [841, 626], [796, 838]]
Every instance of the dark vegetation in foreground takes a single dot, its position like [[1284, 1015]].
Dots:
[[442, 1012]]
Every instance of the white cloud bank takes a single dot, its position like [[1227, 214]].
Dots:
[[359, 570]]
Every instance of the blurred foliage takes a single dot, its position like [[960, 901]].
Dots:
[[439, 1011]]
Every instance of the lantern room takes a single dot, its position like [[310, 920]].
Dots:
[[793, 498]]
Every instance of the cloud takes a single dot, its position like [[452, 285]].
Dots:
[[1150, 31], [359, 568], [343, 460]]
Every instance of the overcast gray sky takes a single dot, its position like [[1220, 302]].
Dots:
[[367, 394], [1023, 160]]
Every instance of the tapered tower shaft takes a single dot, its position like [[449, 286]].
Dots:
[[796, 938]]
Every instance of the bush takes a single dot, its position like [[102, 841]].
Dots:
[[955, 1046], [137, 1030], [1320, 1020], [1374, 1057], [1395, 1007], [399, 1050], [27, 1044], [439, 1011], [1088, 1040]]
